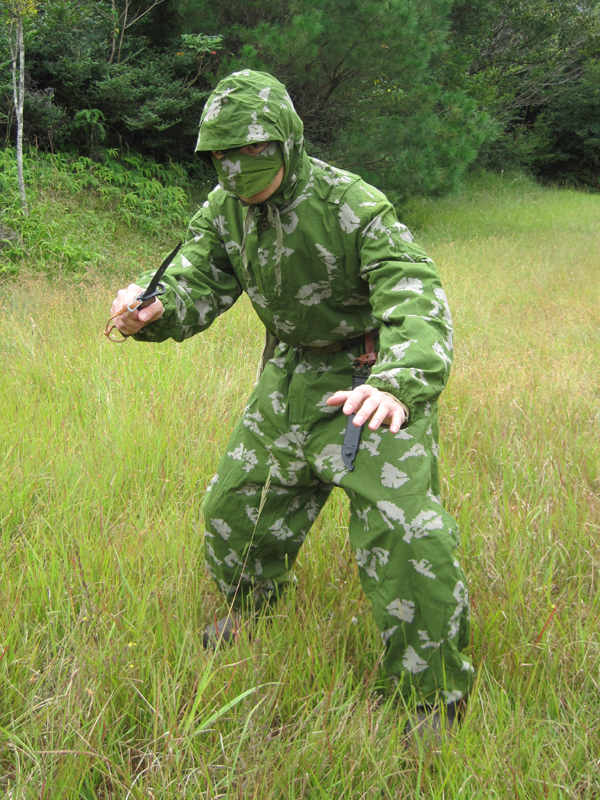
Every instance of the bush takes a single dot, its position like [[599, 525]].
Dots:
[[75, 201], [565, 139]]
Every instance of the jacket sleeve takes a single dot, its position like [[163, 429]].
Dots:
[[411, 310], [200, 283]]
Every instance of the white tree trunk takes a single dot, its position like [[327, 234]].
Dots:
[[17, 52]]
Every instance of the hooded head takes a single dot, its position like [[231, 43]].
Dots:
[[249, 107]]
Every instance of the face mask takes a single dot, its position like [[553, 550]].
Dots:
[[248, 175]]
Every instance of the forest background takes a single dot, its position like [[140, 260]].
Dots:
[[408, 94]]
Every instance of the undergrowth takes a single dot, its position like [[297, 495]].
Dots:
[[77, 205]]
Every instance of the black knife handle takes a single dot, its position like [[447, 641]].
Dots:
[[147, 298], [353, 432]]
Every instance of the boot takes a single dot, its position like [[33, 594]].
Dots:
[[224, 630], [428, 725]]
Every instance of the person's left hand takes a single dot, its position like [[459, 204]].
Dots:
[[367, 401]]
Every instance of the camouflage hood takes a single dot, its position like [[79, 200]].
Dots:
[[249, 107]]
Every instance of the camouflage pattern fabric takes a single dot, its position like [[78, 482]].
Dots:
[[348, 265], [403, 539], [326, 260]]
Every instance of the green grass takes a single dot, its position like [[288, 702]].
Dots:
[[106, 450]]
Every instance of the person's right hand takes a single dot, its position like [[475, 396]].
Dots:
[[133, 321]]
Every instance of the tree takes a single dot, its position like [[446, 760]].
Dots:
[[564, 140], [16, 11], [516, 58], [364, 77], [75, 99], [511, 55], [123, 19]]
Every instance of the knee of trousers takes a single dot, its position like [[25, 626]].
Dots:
[[240, 555], [239, 573]]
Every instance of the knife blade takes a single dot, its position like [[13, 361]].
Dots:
[[155, 288]]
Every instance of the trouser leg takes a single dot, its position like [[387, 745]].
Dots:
[[418, 592], [405, 545], [262, 501]]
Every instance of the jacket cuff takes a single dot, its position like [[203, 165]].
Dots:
[[404, 406]]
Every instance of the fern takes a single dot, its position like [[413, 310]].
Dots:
[[67, 193]]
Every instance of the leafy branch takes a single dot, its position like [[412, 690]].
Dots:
[[122, 23]]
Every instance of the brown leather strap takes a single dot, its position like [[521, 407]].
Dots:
[[370, 357], [108, 328]]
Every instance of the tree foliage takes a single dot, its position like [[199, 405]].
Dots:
[[517, 52], [524, 62], [84, 92], [364, 76], [564, 141], [407, 94]]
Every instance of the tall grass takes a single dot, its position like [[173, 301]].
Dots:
[[105, 689]]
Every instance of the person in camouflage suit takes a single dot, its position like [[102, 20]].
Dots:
[[324, 260]]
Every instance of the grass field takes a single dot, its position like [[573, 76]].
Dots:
[[105, 452]]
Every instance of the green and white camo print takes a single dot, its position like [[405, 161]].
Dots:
[[325, 259]]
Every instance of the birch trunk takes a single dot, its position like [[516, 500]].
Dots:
[[17, 52]]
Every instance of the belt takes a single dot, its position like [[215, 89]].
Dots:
[[344, 344]]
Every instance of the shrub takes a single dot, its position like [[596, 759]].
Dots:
[[77, 202]]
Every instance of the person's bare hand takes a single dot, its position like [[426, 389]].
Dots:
[[133, 321], [368, 402]]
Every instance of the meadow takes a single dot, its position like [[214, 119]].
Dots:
[[105, 454]]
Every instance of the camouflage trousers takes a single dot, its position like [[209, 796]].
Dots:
[[404, 541]]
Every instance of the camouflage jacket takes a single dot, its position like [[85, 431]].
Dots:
[[324, 259]]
